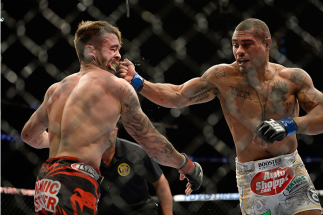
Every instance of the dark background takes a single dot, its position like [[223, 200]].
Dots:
[[169, 41]]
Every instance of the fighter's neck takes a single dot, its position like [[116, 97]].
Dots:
[[259, 76], [90, 67]]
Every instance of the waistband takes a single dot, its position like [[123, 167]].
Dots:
[[266, 164], [73, 159]]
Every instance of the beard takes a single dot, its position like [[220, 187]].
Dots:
[[105, 63]]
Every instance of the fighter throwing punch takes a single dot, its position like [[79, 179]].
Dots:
[[80, 112], [260, 101]]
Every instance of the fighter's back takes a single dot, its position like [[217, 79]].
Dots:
[[82, 109]]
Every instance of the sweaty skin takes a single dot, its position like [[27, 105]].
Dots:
[[82, 110], [250, 89]]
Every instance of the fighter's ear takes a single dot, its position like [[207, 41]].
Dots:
[[89, 52]]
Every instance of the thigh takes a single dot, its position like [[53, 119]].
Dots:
[[251, 203], [77, 195], [300, 196], [66, 194]]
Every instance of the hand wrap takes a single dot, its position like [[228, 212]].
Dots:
[[193, 172], [137, 82]]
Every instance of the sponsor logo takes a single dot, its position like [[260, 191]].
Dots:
[[46, 191], [123, 169], [87, 169], [272, 182], [47, 167], [298, 183], [83, 199], [275, 125], [268, 163]]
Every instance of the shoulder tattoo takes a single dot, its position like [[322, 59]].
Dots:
[[297, 76], [306, 94], [219, 72]]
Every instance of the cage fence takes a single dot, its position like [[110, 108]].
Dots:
[[169, 41]]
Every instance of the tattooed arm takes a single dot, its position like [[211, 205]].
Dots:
[[194, 91], [311, 100], [141, 129], [34, 132]]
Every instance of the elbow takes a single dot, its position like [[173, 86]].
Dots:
[[25, 136]]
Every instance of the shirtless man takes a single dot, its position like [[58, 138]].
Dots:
[[79, 113], [271, 176]]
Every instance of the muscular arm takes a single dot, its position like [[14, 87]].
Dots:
[[311, 100], [194, 91], [141, 129], [164, 195], [34, 132]]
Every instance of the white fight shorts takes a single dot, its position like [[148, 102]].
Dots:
[[276, 186]]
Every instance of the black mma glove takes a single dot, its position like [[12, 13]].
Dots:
[[272, 130], [193, 171]]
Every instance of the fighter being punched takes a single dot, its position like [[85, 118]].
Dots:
[[80, 112]]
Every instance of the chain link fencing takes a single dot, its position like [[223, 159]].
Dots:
[[169, 41]]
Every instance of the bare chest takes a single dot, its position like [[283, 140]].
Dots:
[[271, 100]]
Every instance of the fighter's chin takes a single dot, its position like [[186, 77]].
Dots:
[[243, 70]]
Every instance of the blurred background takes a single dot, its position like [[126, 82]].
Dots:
[[169, 41]]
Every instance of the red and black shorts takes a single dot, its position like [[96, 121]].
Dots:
[[67, 185]]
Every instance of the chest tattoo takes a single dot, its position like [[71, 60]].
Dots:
[[278, 91], [240, 93]]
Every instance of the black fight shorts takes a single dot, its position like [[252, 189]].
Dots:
[[65, 186]]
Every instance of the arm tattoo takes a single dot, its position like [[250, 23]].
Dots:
[[138, 123], [140, 128], [306, 94], [201, 94]]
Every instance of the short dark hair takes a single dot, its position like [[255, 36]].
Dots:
[[261, 30], [88, 30]]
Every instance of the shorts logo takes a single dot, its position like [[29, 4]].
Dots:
[[123, 169], [87, 169], [271, 182], [46, 191], [298, 183], [268, 164], [83, 199]]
